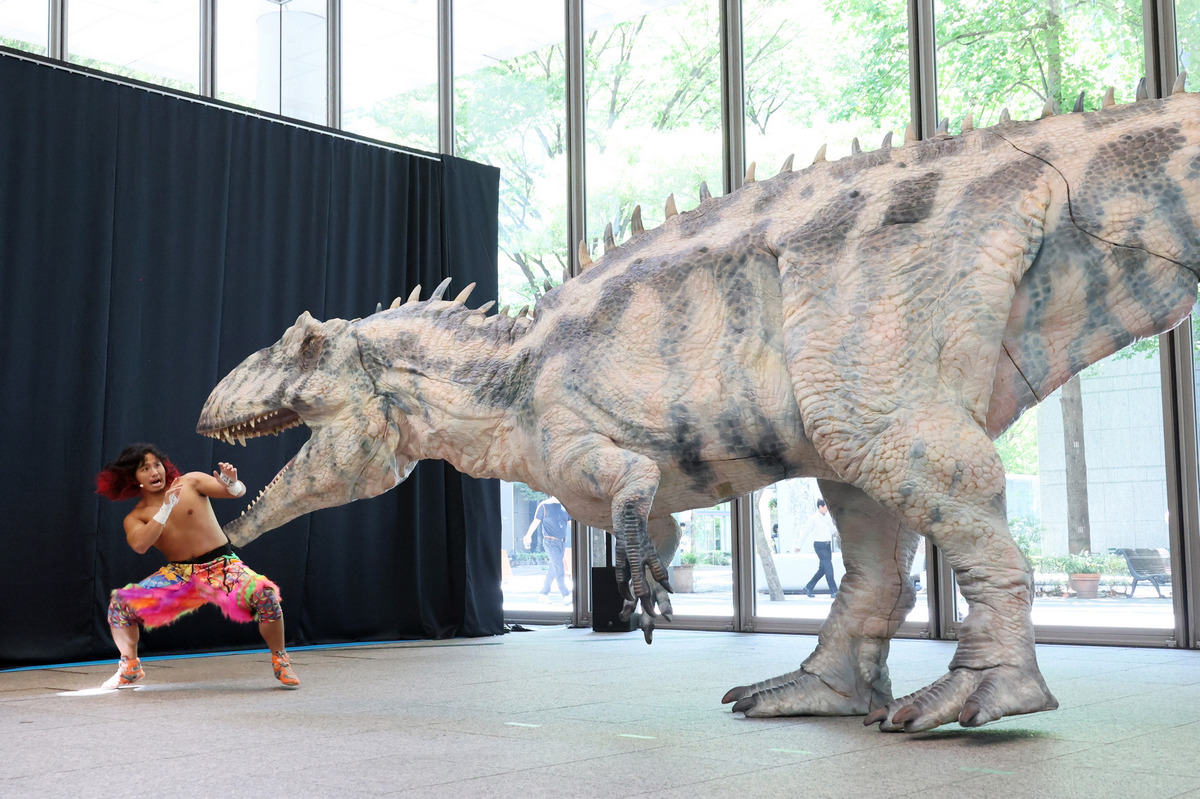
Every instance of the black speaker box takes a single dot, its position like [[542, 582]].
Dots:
[[607, 602]]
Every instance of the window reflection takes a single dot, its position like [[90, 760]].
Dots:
[[272, 57]]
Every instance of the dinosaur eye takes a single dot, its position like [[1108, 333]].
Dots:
[[310, 351]]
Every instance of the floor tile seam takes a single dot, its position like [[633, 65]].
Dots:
[[1127, 740], [601, 757]]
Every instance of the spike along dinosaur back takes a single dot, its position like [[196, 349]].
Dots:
[[873, 322]]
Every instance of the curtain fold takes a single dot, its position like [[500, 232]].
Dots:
[[148, 244]]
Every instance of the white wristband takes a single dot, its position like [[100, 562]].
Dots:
[[164, 512], [236, 489]]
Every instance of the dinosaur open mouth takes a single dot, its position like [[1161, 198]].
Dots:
[[271, 423]]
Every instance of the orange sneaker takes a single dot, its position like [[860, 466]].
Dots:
[[282, 663], [128, 672]]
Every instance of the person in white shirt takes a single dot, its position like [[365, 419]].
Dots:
[[820, 530]]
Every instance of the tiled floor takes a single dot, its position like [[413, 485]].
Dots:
[[572, 713]]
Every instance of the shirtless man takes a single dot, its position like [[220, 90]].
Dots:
[[174, 516]]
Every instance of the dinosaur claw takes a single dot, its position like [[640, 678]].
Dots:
[[745, 704], [647, 624], [734, 694], [874, 717], [906, 713], [972, 716]]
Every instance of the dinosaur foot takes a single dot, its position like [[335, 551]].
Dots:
[[656, 603], [799, 693], [972, 697]]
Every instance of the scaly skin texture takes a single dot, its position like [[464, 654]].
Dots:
[[873, 322]]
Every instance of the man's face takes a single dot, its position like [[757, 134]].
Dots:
[[151, 474], [822, 509]]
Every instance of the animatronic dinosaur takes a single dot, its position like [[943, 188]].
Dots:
[[873, 322]]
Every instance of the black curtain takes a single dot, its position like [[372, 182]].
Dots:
[[148, 244]]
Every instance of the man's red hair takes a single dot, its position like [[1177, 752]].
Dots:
[[118, 484]]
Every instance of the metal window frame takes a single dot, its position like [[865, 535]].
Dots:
[[1177, 366], [445, 70], [56, 46], [333, 63], [576, 113], [208, 48]]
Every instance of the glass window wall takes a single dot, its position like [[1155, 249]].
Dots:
[[653, 109], [1017, 55], [152, 42], [1087, 477], [1087, 496], [510, 111], [390, 71], [849, 78]]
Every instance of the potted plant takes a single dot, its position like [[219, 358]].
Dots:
[[1083, 569], [681, 575]]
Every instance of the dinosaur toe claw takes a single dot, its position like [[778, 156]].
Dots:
[[906, 713], [875, 716], [734, 694]]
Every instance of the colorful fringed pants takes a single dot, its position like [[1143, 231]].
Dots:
[[179, 588]]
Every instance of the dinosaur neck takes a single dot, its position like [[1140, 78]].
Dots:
[[455, 377]]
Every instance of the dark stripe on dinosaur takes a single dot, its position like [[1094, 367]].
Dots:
[[912, 200], [819, 242]]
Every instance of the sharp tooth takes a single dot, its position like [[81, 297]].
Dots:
[[242, 440]]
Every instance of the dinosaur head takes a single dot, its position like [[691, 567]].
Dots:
[[312, 376]]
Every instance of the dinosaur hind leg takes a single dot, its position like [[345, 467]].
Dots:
[[847, 673], [943, 476]]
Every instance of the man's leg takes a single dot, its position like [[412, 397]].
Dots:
[[825, 557], [264, 606], [556, 573], [126, 639], [272, 633], [123, 624]]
